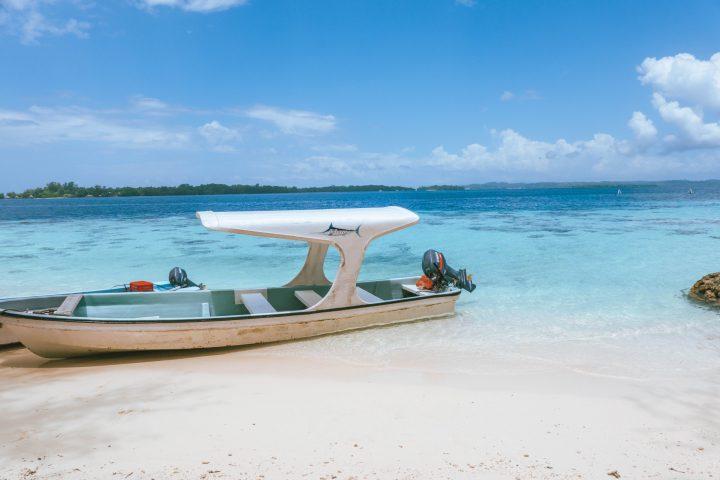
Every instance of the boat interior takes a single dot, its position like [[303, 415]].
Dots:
[[204, 303]]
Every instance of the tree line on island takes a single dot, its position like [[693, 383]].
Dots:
[[71, 189]]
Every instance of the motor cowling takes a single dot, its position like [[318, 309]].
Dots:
[[179, 278], [441, 274]]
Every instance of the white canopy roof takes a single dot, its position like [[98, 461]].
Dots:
[[350, 230], [325, 226]]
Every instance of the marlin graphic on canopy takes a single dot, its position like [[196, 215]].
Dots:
[[333, 231]]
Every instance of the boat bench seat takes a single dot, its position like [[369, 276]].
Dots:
[[68, 306], [256, 303], [307, 297], [367, 297], [310, 297], [415, 290]]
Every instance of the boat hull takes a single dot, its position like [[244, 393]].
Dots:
[[8, 338], [61, 339]]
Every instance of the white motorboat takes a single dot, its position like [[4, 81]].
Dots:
[[57, 326]]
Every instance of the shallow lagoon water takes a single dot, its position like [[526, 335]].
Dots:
[[578, 277]]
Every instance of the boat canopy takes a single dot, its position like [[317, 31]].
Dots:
[[350, 230], [324, 226]]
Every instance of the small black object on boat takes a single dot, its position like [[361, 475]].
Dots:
[[441, 274], [179, 278]]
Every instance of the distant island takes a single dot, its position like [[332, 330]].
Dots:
[[73, 190], [589, 185]]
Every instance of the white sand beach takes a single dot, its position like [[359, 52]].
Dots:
[[272, 412]]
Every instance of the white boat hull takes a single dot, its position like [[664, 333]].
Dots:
[[9, 338], [60, 339]]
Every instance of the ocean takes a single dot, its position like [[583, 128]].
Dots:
[[578, 277]]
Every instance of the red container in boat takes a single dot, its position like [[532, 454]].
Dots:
[[141, 286]]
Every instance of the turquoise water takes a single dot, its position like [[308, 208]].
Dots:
[[578, 276]]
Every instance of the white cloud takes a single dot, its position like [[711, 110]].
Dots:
[[466, 3], [506, 96], [19, 4], [691, 124], [685, 78], [148, 103], [643, 127], [296, 122], [219, 136], [677, 138], [677, 79], [201, 6], [343, 147], [648, 152], [516, 155], [514, 152], [41, 125], [319, 166], [25, 19], [370, 166], [36, 26]]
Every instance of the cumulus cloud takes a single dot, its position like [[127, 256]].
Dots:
[[602, 156], [696, 132], [686, 90], [678, 137], [27, 20], [642, 127], [513, 152], [219, 136], [685, 78], [201, 6], [295, 122]]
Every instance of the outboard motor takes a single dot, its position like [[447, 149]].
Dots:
[[441, 274], [178, 278]]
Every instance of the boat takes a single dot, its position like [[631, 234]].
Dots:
[[59, 326], [177, 280]]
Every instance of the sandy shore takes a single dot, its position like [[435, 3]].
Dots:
[[262, 413]]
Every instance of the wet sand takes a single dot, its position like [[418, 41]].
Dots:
[[263, 413]]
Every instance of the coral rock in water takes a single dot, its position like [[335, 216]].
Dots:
[[707, 288]]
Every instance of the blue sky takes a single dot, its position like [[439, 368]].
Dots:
[[161, 92]]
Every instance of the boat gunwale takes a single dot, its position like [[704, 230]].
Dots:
[[135, 321]]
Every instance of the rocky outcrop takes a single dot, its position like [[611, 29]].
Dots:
[[707, 289]]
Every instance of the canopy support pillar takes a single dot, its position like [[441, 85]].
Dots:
[[343, 292], [312, 272]]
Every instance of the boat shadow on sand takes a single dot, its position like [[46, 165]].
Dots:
[[17, 356]]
